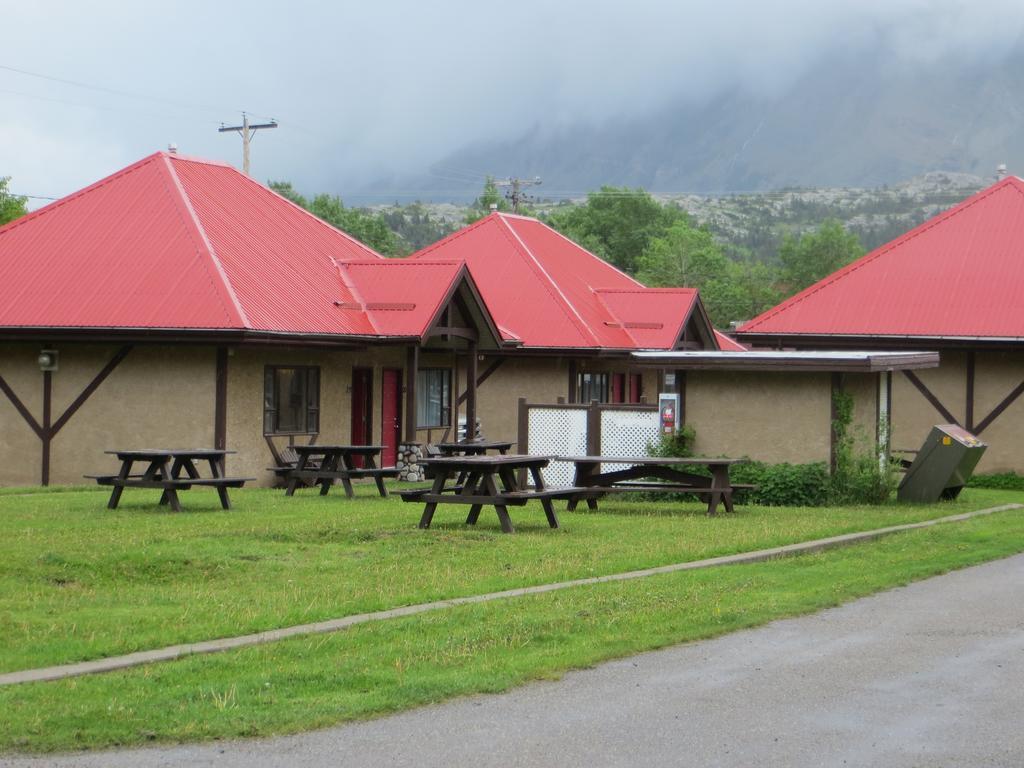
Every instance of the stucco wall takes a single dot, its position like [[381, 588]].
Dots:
[[772, 417], [863, 388], [538, 380], [245, 399], [157, 396], [20, 449], [996, 375]]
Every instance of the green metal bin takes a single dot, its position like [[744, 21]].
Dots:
[[943, 466]]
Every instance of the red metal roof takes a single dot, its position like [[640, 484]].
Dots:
[[177, 243], [400, 298], [546, 291], [728, 343], [959, 275]]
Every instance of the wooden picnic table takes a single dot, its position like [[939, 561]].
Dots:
[[483, 475], [474, 447], [164, 468], [659, 474], [323, 464]]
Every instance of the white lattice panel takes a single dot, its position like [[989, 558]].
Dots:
[[627, 433], [557, 431]]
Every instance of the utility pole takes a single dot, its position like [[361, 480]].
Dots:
[[515, 193], [246, 131]]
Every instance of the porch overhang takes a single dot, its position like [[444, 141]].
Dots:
[[812, 361]]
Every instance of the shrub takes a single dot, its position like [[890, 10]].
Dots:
[[1007, 481], [784, 485], [858, 477], [678, 444]]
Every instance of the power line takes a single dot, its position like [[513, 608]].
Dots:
[[515, 194], [33, 197], [246, 130], [117, 91]]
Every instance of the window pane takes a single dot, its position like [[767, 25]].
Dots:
[[268, 401], [593, 386], [433, 392], [291, 400], [291, 411]]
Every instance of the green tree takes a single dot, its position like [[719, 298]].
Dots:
[[365, 226], [690, 257], [817, 254], [616, 223], [489, 197], [11, 206]]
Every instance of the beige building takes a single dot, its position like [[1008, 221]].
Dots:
[[953, 285], [180, 304]]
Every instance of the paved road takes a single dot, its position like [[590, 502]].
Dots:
[[928, 675]]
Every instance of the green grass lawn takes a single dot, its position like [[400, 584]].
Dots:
[[382, 667], [78, 581]]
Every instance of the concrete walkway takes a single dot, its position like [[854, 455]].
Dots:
[[926, 675]]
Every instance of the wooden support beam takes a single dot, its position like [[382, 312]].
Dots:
[[1003, 405], [48, 431], [471, 392], [936, 403], [220, 407], [572, 381], [969, 405], [495, 364], [20, 408], [412, 367], [91, 387]]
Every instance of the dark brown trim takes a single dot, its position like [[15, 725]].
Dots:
[[969, 404], [572, 381], [824, 341], [20, 408], [593, 428], [936, 403], [471, 385], [86, 393], [48, 431], [220, 407], [412, 366], [997, 411], [523, 426], [792, 361], [490, 369]]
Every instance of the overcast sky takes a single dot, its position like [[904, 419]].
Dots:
[[369, 90]]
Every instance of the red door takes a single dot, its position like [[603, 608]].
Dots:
[[618, 385], [635, 387], [390, 415], [362, 409]]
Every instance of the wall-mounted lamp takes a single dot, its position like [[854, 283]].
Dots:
[[48, 359]]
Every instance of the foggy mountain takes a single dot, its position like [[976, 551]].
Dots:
[[853, 120]]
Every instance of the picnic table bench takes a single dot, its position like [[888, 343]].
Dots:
[[164, 468], [655, 474], [323, 464], [483, 474]]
